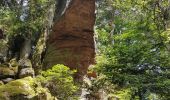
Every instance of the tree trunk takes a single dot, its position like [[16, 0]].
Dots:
[[71, 42], [25, 49]]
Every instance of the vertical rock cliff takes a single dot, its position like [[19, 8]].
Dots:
[[71, 42]]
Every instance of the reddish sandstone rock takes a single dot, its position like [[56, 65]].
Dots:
[[71, 42]]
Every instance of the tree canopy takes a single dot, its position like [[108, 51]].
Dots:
[[133, 46]]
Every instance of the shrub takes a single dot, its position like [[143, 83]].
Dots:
[[59, 81]]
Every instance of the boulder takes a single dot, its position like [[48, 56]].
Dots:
[[25, 72], [25, 63], [25, 68], [24, 89], [7, 71]]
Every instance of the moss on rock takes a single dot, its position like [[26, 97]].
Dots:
[[7, 71], [26, 88]]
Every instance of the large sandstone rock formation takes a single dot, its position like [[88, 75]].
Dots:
[[71, 42]]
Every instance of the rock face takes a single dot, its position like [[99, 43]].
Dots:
[[71, 42]]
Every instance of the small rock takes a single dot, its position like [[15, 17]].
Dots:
[[7, 80], [26, 72]]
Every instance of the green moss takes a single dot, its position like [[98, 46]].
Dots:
[[21, 86], [24, 87], [6, 71]]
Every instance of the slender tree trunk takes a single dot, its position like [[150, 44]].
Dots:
[[26, 49]]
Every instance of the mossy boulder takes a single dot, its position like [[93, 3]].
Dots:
[[6, 71], [25, 68], [25, 63], [25, 72], [24, 89]]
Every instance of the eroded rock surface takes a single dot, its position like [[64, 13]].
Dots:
[[71, 42]]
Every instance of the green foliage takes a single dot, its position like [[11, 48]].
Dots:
[[134, 47], [60, 82], [27, 18]]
